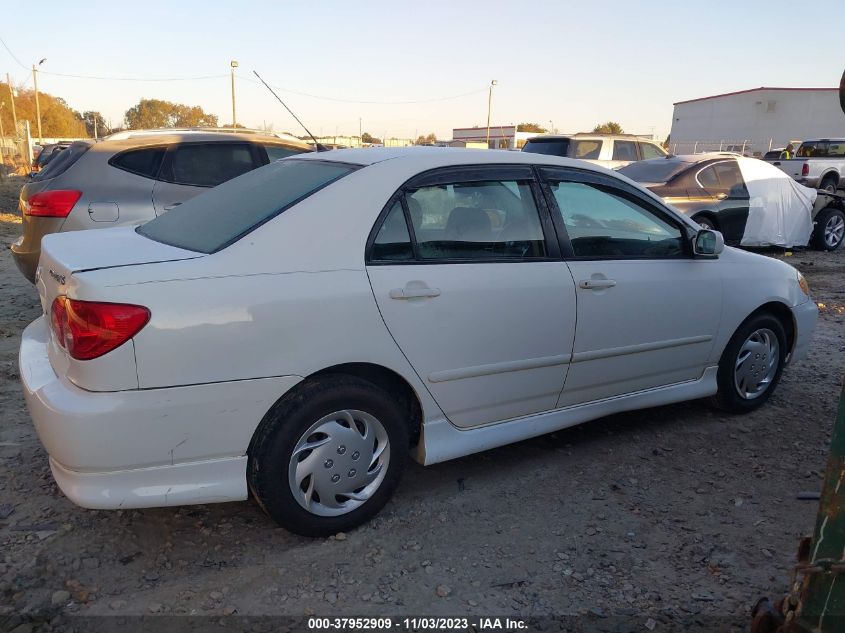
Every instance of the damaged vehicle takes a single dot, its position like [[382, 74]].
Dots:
[[296, 332], [748, 200]]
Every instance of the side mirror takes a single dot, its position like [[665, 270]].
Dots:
[[708, 243]]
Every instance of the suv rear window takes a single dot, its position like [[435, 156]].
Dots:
[[60, 163], [217, 218], [556, 147]]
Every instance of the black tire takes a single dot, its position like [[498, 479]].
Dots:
[[728, 397], [828, 184], [706, 222], [824, 218], [283, 426]]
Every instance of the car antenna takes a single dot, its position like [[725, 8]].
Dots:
[[318, 146]]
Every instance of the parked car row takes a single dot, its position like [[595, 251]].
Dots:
[[296, 331], [607, 150], [133, 177]]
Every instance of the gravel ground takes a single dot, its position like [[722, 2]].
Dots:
[[678, 514]]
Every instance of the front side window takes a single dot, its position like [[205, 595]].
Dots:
[[476, 220], [216, 218], [649, 150], [207, 164], [812, 149], [624, 150], [604, 223]]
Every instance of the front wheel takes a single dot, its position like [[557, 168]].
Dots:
[[327, 457], [829, 231], [751, 364]]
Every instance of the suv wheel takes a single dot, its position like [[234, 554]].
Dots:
[[327, 457], [829, 231], [751, 364], [828, 184]]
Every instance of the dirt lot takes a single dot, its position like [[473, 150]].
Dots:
[[678, 514]]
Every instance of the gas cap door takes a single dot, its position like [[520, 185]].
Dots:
[[104, 211]]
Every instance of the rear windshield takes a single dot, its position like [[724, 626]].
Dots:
[[61, 161], [556, 147], [217, 218], [655, 170]]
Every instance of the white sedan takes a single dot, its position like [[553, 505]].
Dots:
[[297, 331]]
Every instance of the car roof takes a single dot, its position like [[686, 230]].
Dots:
[[146, 139], [589, 135], [423, 158]]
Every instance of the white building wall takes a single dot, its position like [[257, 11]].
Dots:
[[764, 118]]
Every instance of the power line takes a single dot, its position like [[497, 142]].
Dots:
[[339, 100], [148, 79], [9, 50]]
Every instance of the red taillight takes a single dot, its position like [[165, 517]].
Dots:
[[88, 329], [52, 204], [805, 169]]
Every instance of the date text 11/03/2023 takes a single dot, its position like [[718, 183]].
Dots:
[[417, 624]]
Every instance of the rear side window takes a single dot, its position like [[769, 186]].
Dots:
[[587, 150], [651, 151], [275, 152], [143, 162], [624, 150], [62, 162], [212, 220], [393, 242], [207, 164]]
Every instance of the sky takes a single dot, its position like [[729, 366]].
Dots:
[[405, 69]]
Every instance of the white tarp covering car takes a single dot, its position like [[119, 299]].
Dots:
[[780, 210]]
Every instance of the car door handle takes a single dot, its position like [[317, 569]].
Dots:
[[413, 293], [172, 206], [596, 284]]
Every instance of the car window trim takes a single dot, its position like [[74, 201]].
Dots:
[[463, 174], [547, 173], [174, 147]]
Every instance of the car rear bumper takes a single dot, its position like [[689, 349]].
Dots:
[[805, 315], [25, 260], [143, 448], [813, 183]]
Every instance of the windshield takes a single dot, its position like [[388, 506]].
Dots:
[[555, 147], [221, 216], [654, 170]]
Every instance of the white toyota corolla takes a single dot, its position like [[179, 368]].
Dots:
[[297, 331]]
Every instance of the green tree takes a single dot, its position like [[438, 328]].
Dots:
[[430, 139], [531, 127], [89, 117], [155, 113], [58, 120], [611, 127], [366, 137]]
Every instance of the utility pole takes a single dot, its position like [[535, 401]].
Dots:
[[489, 110], [360, 134], [37, 105], [2, 132], [233, 64], [12, 97], [95, 125]]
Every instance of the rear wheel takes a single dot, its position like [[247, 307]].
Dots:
[[328, 457], [829, 231], [751, 364], [828, 184]]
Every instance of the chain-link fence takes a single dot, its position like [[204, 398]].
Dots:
[[15, 151], [746, 147]]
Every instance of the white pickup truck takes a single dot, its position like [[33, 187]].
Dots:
[[819, 164]]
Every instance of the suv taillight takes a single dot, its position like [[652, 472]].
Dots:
[[52, 204], [805, 169], [89, 329]]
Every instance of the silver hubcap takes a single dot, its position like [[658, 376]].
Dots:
[[756, 364], [834, 230], [339, 463]]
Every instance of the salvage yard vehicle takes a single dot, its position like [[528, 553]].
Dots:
[[296, 331], [607, 150], [817, 163], [720, 191], [132, 177]]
